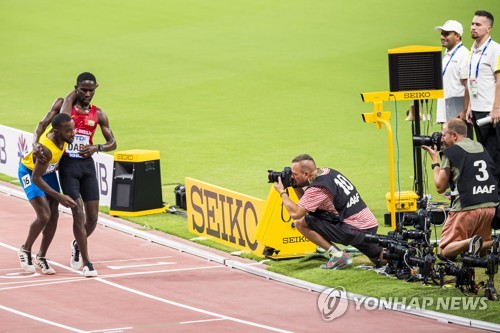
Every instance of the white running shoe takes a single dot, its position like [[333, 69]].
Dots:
[[475, 245], [89, 270], [25, 260], [42, 263], [75, 261]]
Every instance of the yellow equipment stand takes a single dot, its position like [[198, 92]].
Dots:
[[380, 117], [281, 239], [136, 189]]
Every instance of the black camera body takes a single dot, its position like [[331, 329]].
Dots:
[[421, 222], [286, 176], [433, 140]]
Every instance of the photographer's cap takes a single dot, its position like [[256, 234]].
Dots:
[[451, 25]]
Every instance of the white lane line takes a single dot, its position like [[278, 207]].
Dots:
[[20, 274], [188, 307], [131, 259], [45, 321], [32, 283], [112, 330], [143, 265], [201, 321]]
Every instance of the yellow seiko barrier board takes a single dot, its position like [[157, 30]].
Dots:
[[281, 239], [243, 222], [224, 216]]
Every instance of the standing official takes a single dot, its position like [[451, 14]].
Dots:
[[484, 84], [454, 70]]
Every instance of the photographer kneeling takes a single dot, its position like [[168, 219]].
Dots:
[[469, 171], [330, 210]]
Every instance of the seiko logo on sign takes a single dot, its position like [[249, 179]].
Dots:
[[418, 95], [224, 217], [125, 157], [296, 239]]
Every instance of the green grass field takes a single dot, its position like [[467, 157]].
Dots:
[[229, 89]]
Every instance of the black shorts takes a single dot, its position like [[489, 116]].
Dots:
[[345, 234], [78, 178]]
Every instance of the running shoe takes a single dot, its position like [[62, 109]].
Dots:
[[475, 244], [89, 270], [25, 260], [75, 262], [42, 263], [337, 262]]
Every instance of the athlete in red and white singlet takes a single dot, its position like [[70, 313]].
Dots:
[[85, 126]]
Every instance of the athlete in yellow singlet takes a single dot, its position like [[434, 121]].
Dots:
[[39, 181]]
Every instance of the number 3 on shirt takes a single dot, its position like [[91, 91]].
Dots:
[[481, 165]]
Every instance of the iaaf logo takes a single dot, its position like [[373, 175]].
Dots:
[[333, 303]]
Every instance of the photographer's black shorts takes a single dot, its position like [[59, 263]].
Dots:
[[345, 234], [78, 177]]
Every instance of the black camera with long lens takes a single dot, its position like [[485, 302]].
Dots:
[[286, 176], [420, 219], [433, 140]]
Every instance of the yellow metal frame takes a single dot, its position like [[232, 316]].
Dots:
[[412, 95], [380, 117], [136, 155], [138, 213], [414, 49]]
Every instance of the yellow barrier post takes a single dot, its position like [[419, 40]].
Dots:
[[379, 117]]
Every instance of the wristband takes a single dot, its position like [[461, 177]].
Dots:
[[433, 165], [281, 193], [100, 148]]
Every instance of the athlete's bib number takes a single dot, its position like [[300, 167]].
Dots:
[[79, 142], [26, 180]]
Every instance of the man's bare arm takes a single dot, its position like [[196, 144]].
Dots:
[[106, 132], [42, 126]]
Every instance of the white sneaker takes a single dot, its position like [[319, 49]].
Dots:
[[75, 261], [25, 260], [475, 244], [89, 270], [42, 263]]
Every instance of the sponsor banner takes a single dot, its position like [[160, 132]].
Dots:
[[227, 217], [14, 144]]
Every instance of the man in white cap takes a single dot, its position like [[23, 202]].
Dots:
[[454, 72]]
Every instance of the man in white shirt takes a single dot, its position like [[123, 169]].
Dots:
[[484, 84], [454, 72]]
